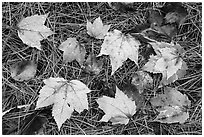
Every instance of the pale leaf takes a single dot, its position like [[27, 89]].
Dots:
[[97, 29], [72, 51], [23, 70], [167, 50], [177, 98], [160, 65], [119, 47], [173, 66], [61, 110], [179, 74], [171, 106], [32, 30], [172, 115], [118, 109], [167, 61], [64, 96], [150, 65]]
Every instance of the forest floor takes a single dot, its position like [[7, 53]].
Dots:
[[69, 20]]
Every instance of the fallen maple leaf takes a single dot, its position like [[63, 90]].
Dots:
[[142, 80], [66, 97], [92, 65], [167, 61], [134, 94], [171, 106], [23, 70], [175, 13], [168, 50], [72, 51], [32, 30], [97, 29], [122, 6], [118, 110], [173, 17], [172, 114], [119, 47], [155, 18]]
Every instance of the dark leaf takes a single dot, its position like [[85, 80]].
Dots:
[[142, 80], [23, 70], [175, 12], [133, 93], [122, 6], [92, 65], [155, 18]]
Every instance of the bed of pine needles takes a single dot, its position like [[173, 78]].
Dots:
[[69, 20]]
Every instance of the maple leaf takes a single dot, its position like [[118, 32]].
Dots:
[[72, 51], [23, 70], [171, 106], [167, 61], [174, 12], [172, 114], [134, 94], [119, 47], [118, 109], [97, 29], [173, 17], [168, 50], [92, 65], [155, 18], [32, 30], [142, 80], [66, 97], [122, 6]]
